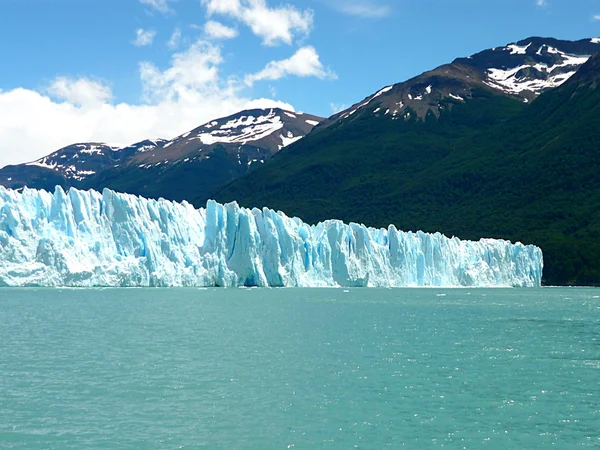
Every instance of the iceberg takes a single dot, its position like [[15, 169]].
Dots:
[[87, 238]]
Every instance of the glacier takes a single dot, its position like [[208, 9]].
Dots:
[[87, 238]]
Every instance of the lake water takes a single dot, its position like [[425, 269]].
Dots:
[[299, 368]]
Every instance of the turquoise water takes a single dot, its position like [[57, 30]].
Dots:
[[299, 368]]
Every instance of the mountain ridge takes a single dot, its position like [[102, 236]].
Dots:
[[248, 137], [195, 162], [523, 70]]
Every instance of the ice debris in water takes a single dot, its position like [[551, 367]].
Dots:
[[87, 238]]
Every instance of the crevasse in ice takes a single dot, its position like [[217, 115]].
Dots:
[[87, 238]]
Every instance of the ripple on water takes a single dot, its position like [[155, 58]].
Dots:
[[299, 368]]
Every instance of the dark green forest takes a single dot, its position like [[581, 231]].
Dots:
[[177, 182]]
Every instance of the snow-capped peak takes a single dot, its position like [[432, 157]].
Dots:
[[255, 133], [77, 161], [531, 66], [524, 69], [247, 127]]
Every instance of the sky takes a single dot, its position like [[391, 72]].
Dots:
[[120, 71]]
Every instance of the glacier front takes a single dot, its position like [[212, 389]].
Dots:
[[87, 238]]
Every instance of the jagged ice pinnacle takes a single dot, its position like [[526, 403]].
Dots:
[[86, 238]]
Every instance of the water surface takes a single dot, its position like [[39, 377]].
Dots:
[[299, 368]]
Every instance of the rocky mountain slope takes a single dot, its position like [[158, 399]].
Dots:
[[185, 166], [193, 164], [257, 133], [71, 165], [521, 70], [496, 162]]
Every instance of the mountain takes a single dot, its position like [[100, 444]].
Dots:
[[193, 164], [521, 70], [257, 133], [187, 166], [70, 165], [462, 154]]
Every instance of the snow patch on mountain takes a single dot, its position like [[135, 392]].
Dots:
[[519, 79], [382, 91], [43, 163], [95, 149], [146, 148], [244, 129], [365, 103], [509, 81], [289, 139], [74, 161], [516, 50]]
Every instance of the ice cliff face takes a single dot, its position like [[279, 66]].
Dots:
[[84, 238]]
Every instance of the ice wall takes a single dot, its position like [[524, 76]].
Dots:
[[84, 238]]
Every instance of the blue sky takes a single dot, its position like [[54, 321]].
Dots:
[[123, 70]]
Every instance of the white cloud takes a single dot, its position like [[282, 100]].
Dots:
[[82, 92], [364, 9], [304, 63], [217, 30], [596, 17], [230, 7], [196, 68], [179, 98], [161, 6], [175, 39], [272, 25], [541, 3], [143, 37], [277, 25]]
